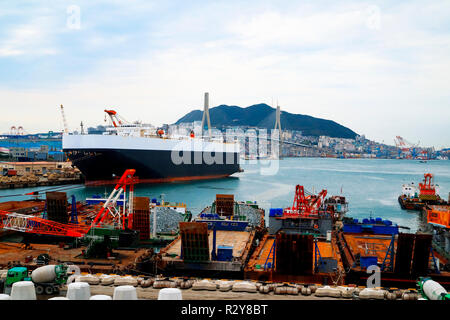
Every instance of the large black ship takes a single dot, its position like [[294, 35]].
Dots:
[[154, 155]]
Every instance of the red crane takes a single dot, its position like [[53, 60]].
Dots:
[[32, 224], [114, 117], [109, 208], [305, 205]]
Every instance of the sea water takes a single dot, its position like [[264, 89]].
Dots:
[[371, 186]]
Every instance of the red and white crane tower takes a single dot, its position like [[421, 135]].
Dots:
[[117, 217], [110, 209]]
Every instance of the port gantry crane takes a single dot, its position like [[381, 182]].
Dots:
[[305, 205], [406, 147], [33, 224]]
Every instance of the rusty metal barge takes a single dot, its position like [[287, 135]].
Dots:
[[218, 242], [300, 245]]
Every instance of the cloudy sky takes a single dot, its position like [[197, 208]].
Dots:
[[381, 68]]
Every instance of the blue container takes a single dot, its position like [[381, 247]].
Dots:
[[275, 212], [385, 229], [367, 227], [367, 261], [352, 228], [224, 253], [154, 200]]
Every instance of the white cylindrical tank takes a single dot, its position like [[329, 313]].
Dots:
[[78, 291], [170, 294], [433, 290], [4, 297], [23, 290], [125, 293], [100, 297], [44, 274]]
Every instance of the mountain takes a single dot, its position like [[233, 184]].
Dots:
[[263, 116]]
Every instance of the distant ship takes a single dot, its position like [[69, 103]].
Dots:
[[155, 155]]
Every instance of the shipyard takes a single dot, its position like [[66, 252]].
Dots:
[[224, 159], [310, 249], [97, 232]]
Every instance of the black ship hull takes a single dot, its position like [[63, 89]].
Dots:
[[151, 165]]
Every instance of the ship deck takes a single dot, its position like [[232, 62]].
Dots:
[[261, 254], [369, 245], [237, 239], [240, 241], [255, 266]]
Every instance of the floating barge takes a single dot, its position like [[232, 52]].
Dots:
[[300, 246], [401, 257], [215, 244]]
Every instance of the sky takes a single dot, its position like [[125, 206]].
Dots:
[[381, 68]]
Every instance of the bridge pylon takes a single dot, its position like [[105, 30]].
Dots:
[[278, 126]]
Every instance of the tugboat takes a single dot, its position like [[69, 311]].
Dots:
[[413, 198]]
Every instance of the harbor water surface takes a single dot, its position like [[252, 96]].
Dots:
[[371, 186]]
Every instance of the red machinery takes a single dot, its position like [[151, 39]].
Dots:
[[109, 206], [427, 187], [305, 206], [33, 224], [115, 118]]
